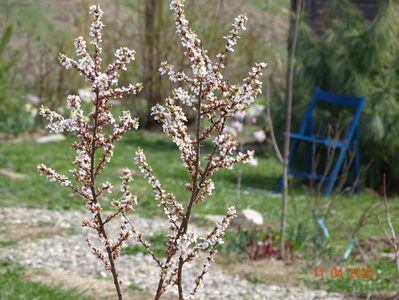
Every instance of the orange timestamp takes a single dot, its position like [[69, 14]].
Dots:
[[340, 273]]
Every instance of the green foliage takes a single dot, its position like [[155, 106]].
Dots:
[[4, 65], [236, 241], [297, 234], [13, 286], [356, 57], [13, 117]]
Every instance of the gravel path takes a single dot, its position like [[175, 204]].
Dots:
[[70, 253]]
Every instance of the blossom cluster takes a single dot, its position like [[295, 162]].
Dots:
[[214, 100], [242, 124], [203, 90], [94, 144]]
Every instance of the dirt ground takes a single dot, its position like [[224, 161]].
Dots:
[[96, 288], [267, 271]]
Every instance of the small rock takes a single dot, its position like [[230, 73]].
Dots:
[[34, 99], [50, 138], [214, 218], [248, 217], [103, 274], [255, 111], [390, 256], [86, 94], [11, 174]]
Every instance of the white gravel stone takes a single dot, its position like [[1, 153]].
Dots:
[[70, 253], [248, 217], [50, 138]]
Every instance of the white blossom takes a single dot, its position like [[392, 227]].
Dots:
[[66, 62], [253, 162], [53, 176], [232, 38], [107, 186], [93, 144], [260, 136], [203, 90], [57, 123], [123, 57], [97, 26], [237, 126]]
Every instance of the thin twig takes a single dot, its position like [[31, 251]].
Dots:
[[269, 122], [392, 239], [290, 84]]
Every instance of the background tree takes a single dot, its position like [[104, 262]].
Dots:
[[42, 27], [357, 57], [152, 55], [292, 43]]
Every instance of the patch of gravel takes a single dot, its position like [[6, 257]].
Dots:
[[70, 253], [69, 219]]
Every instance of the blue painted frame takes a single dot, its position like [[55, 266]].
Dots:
[[351, 139]]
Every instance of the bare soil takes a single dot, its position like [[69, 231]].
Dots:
[[267, 271], [18, 232], [95, 288]]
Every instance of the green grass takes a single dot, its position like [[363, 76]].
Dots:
[[255, 278], [36, 191], [385, 278], [9, 243], [157, 241], [13, 286]]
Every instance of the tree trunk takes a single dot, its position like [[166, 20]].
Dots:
[[152, 79], [292, 41]]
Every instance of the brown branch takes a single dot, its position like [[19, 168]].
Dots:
[[392, 238], [184, 225], [269, 122], [290, 83], [102, 230]]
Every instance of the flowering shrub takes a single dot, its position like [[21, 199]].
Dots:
[[93, 147], [212, 99]]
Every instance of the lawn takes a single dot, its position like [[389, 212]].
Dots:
[[258, 182], [14, 286], [34, 191]]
